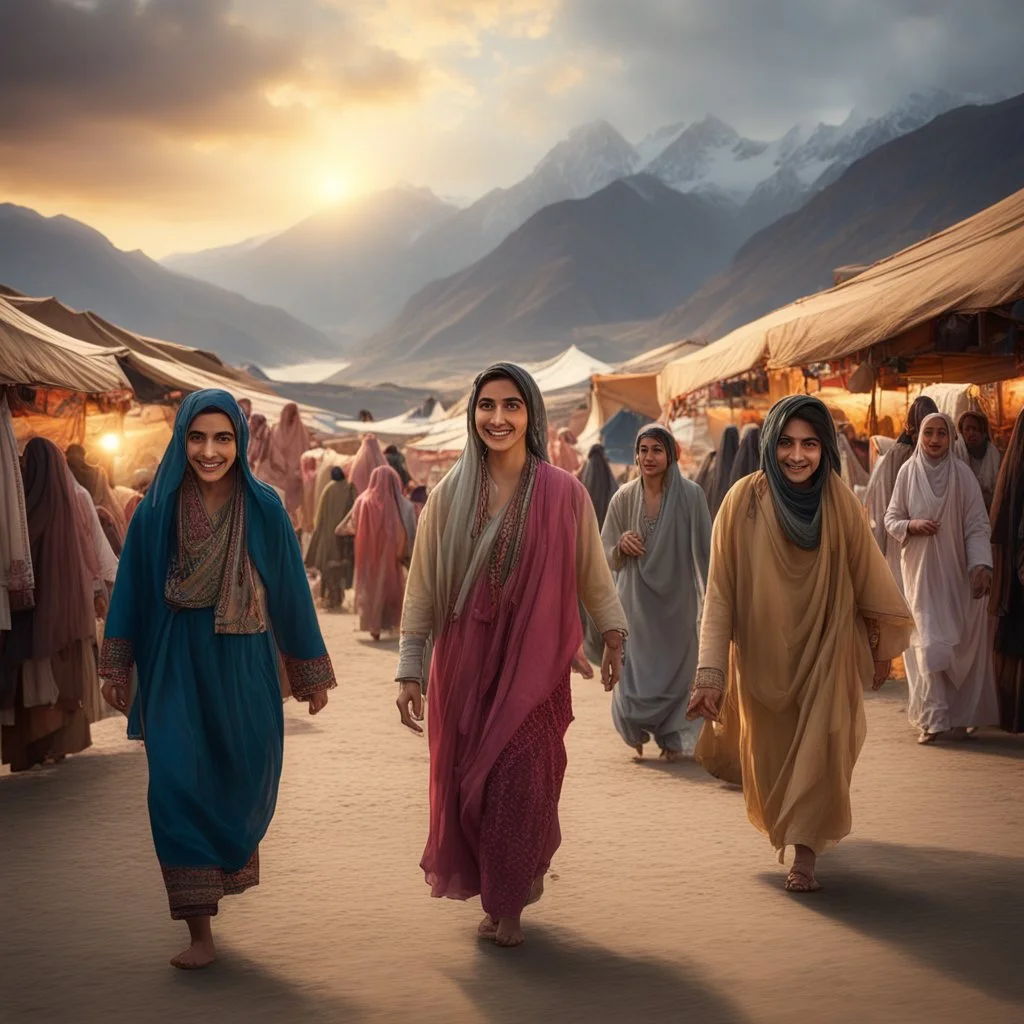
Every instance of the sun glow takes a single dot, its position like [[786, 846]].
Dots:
[[335, 189]]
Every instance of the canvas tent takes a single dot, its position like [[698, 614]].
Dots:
[[157, 369], [975, 265], [32, 353]]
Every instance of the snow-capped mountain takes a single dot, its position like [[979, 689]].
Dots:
[[652, 146], [589, 159]]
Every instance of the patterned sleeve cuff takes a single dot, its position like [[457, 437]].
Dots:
[[309, 676], [874, 634], [710, 679], [116, 660]]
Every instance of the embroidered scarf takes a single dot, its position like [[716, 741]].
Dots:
[[211, 567]]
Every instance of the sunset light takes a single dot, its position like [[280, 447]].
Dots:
[[335, 190]]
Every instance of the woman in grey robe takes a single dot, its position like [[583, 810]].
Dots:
[[657, 537]]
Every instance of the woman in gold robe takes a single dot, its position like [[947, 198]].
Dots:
[[801, 613]]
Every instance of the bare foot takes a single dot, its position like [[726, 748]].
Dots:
[[375, 637], [927, 737], [488, 929], [510, 933], [672, 756], [200, 954], [536, 890], [801, 877]]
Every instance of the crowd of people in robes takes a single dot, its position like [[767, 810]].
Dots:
[[737, 618]]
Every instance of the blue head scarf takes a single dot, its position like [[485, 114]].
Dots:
[[138, 609]]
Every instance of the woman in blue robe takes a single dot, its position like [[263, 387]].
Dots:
[[211, 597]]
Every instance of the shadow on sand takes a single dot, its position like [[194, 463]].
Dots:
[[559, 978], [958, 913]]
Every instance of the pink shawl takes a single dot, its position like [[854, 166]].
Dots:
[[259, 440], [562, 452], [381, 544], [366, 460], [497, 661], [289, 439]]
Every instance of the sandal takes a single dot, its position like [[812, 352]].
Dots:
[[799, 882]]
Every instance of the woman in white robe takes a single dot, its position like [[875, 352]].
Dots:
[[657, 537], [883, 481], [937, 517]]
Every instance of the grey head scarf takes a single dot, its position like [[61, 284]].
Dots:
[[537, 431], [799, 508], [599, 480]]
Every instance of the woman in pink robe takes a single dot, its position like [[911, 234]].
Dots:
[[384, 527], [506, 547], [282, 466], [365, 461]]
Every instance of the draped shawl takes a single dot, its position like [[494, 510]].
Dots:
[[662, 594], [17, 582], [799, 508], [289, 439], [335, 504], [366, 460], [140, 615], [599, 480], [795, 623], [748, 458], [728, 448], [985, 467], [935, 568]]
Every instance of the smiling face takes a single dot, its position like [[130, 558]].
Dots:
[[211, 446], [799, 452], [652, 458], [935, 438], [501, 417]]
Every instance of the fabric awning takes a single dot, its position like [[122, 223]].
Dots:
[[974, 265], [32, 353]]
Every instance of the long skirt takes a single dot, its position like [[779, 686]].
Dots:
[[519, 833], [210, 713], [937, 704]]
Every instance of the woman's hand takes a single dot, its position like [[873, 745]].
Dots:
[[981, 581], [883, 672], [410, 705], [705, 702], [116, 695], [631, 544], [923, 527], [317, 702], [581, 665], [611, 662]]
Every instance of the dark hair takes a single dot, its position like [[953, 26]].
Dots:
[[392, 449], [337, 473]]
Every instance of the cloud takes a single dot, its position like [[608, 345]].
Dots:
[[175, 123], [188, 67], [766, 65]]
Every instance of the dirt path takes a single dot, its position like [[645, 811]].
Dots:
[[663, 905]]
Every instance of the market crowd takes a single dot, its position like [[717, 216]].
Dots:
[[736, 617]]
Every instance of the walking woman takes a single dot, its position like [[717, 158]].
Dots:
[[365, 461], [937, 516], [506, 546], [211, 594], [728, 449], [1007, 603], [657, 538], [975, 447], [384, 526], [883, 481], [47, 660], [332, 556], [282, 466], [801, 593]]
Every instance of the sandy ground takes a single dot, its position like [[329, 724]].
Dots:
[[664, 904]]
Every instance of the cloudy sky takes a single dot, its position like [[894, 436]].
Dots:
[[178, 124]]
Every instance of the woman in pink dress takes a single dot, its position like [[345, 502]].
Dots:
[[506, 547], [384, 526]]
